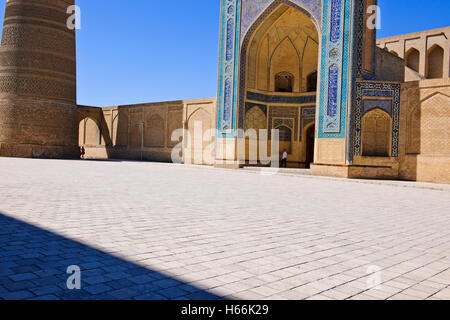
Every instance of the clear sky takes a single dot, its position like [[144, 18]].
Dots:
[[134, 51]]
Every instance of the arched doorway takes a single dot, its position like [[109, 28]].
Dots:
[[278, 70], [310, 140]]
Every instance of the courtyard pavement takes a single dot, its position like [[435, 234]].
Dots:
[[160, 231]]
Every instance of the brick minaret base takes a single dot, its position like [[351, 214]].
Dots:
[[38, 115]]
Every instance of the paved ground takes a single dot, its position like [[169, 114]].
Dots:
[[158, 231]]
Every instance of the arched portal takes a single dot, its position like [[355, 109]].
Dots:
[[279, 60]]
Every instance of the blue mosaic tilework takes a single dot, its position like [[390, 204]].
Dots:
[[357, 63], [255, 96], [228, 67], [344, 54], [371, 90], [369, 105], [333, 86], [245, 42], [335, 20], [279, 122], [335, 72], [358, 44]]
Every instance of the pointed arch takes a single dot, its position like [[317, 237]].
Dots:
[[273, 6], [89, 132], [435, 62], [412, 59], [376, 133], [285, 61], [255, 119], [255, 37], [199, 137], [201, 118]]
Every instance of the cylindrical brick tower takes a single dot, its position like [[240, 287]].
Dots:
[[38, 115]]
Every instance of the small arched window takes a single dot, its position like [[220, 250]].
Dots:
[[413, 59], [435, 63], [284, 82], [311, 82]]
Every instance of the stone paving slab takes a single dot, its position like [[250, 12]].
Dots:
[[397, 183], [159, 231]]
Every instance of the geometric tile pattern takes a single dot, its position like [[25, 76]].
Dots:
[[367, 93], [243, 58], [342, 34], [230, 74], [228, 66], [305, 99], [335, 72]]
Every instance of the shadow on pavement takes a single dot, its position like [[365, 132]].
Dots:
[[34, 262]]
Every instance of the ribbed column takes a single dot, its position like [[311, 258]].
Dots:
[[38, 116]]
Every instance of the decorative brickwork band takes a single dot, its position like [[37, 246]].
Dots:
[[38, 116]]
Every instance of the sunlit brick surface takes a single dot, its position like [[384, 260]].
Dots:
[[160, 231]]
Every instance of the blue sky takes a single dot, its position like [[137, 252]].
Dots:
[[134, 51]]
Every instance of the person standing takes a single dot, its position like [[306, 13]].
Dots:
[[83, 152], [284, 159]]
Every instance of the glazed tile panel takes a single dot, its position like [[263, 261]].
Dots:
[[368, 97], [335, 78], [228, 66]]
